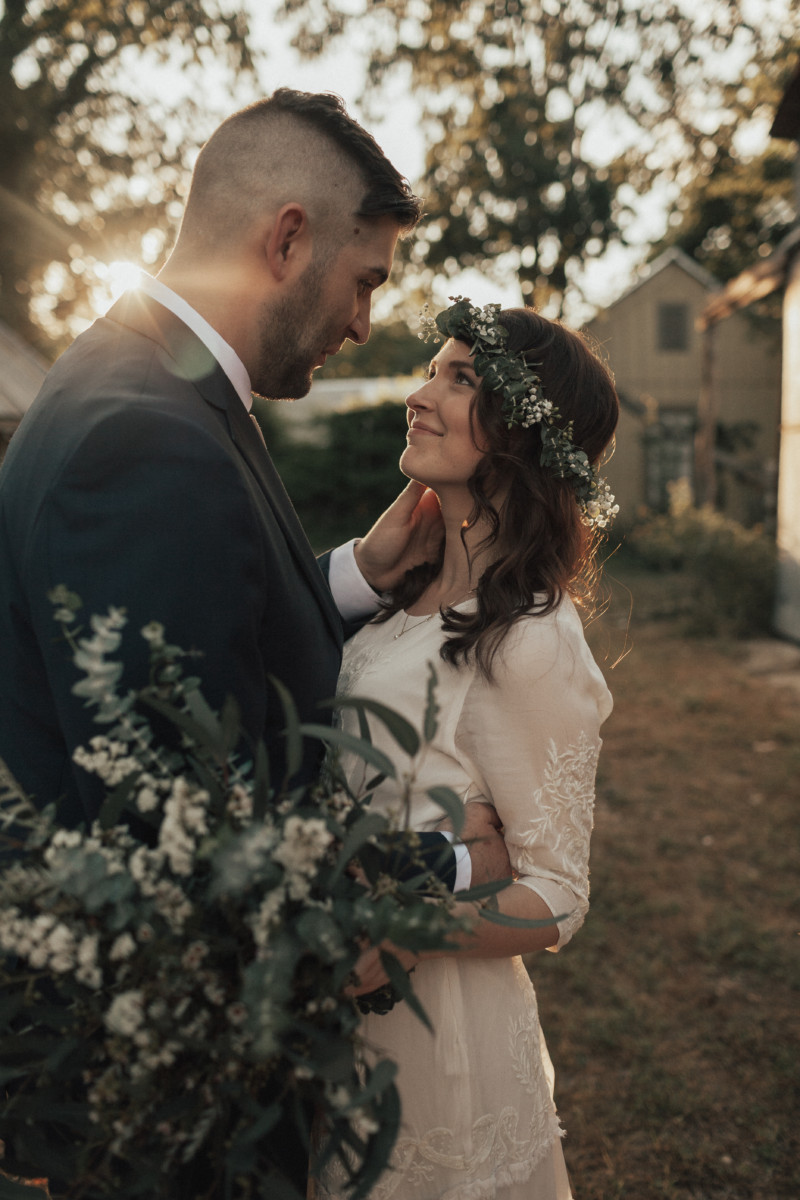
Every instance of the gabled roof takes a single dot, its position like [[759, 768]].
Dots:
[[673, 256], [22, 370], [763, 278]]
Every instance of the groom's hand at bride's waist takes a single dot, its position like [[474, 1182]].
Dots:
[[410, 532], [483, 834]]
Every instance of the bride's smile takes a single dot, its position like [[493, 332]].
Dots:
[[442, 448]]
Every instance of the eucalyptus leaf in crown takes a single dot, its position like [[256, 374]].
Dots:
[[523, 401], [173, 978]]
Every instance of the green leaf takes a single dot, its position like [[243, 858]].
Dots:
[[74, 1115], [401, 730], [381, 1144], [372, 824], [338, 737], [498, 918], [481, 890], [321, 934], [230, 720], [206, 718], [292, 732], [379, 1078], [252, 1133], [430, 722], [451, 803], [261, 782], [207, 779], [401, 982], [114, 805], [202, 738]]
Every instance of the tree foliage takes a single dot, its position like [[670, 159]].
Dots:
[[739, 205], [392, 349], [88, 162], [544, 118]]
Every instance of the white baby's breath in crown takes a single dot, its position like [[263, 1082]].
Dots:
[[523, 401]]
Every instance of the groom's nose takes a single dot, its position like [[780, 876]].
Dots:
[[360, 326]]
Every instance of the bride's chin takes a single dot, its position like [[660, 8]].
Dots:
[[407, 464]]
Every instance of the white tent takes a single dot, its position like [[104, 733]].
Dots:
[[22, 370]]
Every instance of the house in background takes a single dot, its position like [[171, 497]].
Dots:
[[668, 394], [22, 372]]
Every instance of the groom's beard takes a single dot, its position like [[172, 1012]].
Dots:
[[293, 335]]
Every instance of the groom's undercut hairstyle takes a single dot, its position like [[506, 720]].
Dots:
[[293, 146], [387, 193]]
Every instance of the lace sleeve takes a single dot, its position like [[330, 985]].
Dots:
[[530, 742]]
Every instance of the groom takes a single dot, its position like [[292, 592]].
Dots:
[[138, 478]]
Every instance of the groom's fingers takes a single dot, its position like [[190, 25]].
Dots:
[[415, 501]]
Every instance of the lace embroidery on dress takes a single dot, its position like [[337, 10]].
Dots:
[[504, 1148], [354, 663], [565, 807]]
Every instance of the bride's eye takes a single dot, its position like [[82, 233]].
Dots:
[[462, 377]]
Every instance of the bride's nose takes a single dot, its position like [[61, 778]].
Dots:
[[418, 399]]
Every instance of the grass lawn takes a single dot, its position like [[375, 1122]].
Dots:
[[673, 1018]]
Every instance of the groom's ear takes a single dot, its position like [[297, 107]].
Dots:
[[288, 245]]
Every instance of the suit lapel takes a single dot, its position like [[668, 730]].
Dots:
[[190, 359], [258, 459]]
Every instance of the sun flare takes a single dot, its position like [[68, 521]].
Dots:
[[117, 277]]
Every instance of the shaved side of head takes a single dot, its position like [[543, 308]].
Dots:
[[292, 147]]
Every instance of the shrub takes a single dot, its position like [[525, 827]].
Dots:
[[730, 569], [342, 483]]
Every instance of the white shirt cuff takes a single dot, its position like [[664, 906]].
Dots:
[[463, 862], [353, 596]]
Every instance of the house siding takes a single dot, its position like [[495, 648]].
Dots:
[[656, 383]]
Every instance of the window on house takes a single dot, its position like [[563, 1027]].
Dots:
[[673, 326], [669, 456]]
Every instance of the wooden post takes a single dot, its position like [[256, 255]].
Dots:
[[705, 477], [787, 607]]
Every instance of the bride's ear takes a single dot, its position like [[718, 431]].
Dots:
[[288, 242]]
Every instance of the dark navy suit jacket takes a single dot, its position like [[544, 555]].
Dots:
[[138, 480]]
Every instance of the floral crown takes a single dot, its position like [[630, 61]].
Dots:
[[524, 402]]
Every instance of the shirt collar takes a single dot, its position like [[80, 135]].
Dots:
[[225, 355]]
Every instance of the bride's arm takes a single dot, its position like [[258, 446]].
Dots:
[[530, 740], [489, 940], [485, 939]]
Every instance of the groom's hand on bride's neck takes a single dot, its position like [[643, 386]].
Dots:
[[483, 833], [409, 533]]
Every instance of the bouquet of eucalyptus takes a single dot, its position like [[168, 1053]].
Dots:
[[170, 995]]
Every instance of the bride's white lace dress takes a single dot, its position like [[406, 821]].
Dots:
[[478, 1119]]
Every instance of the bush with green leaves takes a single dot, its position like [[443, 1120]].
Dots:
[[729, 569]]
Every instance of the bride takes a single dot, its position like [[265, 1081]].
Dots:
[[507, 431]]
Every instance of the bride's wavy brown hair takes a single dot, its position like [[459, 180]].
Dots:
[[541, 550]]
